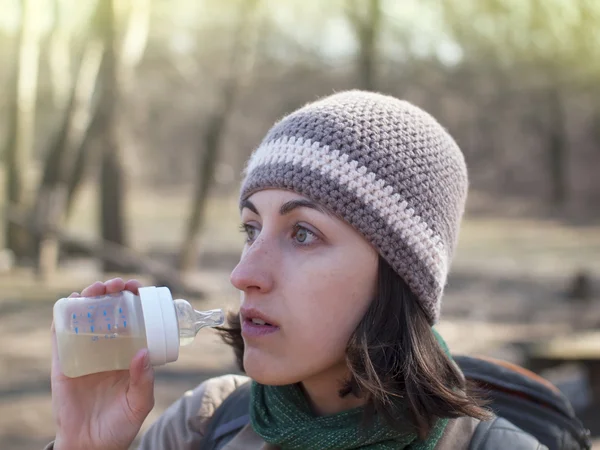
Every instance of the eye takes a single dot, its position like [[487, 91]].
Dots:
[[303, 236], [250, 231]]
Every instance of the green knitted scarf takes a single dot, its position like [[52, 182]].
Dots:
[[282, 416]]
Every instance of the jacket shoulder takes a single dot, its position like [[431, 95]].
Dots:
[[212, 392], [183, 424], [500, 434], [457, 434]]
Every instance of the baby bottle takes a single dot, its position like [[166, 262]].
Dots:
[[97, 334]]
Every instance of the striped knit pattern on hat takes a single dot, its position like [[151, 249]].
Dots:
[[386, 167]]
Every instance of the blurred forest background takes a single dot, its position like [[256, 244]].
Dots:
[[125, 125]]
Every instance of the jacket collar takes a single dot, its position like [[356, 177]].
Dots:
[[247, 439], [457, 436]]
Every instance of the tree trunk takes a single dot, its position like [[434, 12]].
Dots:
[[22, 93], [133, 48], [368, 47], [207, 162], [135, 40], [212, 138], [112, 204], [87, 155], [59, 58], [557, 150], [367, 28], [109, 251], [59, 165], [112, 176]]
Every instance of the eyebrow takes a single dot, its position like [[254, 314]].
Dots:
[[288, 207], [248, 204]]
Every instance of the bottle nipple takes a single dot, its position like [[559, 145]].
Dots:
[[191, 321]]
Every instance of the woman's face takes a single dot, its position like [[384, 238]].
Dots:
[[310, 277]]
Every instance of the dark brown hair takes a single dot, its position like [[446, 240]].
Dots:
[[395, 361]]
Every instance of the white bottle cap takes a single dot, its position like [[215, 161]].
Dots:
[[160, 319]]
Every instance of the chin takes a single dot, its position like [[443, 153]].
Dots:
[[268, 370]]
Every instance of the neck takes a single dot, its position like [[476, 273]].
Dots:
[[322, 392]]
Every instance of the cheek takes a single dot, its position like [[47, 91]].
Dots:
[[328, 304], [324, 313], [322, 298], [303, 351], [313, 342], [345, 288], [337, 306]]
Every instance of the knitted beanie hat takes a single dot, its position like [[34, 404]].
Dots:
[[386, 167]]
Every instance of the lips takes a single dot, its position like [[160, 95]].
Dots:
[[256, 324], [255, 316]]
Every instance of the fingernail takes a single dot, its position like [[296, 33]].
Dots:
[[147, 363]]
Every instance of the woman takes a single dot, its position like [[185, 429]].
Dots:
[[351, 208]]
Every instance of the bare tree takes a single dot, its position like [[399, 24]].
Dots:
[[62, 155], [237, 70], [85, 156], [112, 173], [538, 42], [135, 40], [365, 18], [70, 152], [132, 51], [558, 151], [22, 93], [59, 57]]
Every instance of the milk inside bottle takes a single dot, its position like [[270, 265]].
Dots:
[[97, 334]]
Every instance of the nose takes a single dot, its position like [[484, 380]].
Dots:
[[254, 272]]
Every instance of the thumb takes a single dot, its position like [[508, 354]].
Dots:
[[140, 395]]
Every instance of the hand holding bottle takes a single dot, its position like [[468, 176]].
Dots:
[[102, 410]]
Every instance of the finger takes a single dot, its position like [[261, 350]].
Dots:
[[98, 288], [55, 370], [133, 286], [55, 367], [140, 395], [114, 285]]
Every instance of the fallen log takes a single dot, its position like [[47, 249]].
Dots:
[[107, 251]]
